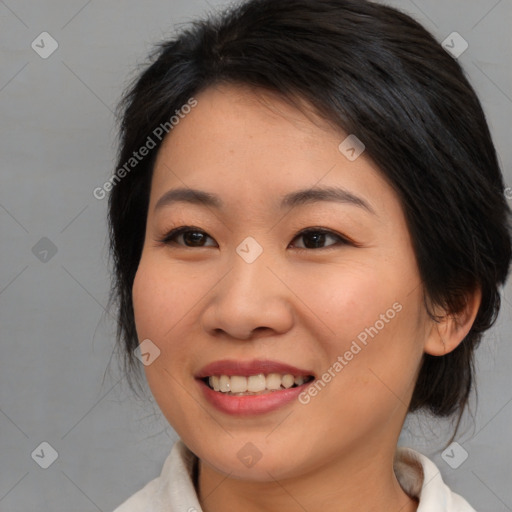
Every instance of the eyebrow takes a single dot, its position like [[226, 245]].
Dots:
[[333, 194], [297, 198]]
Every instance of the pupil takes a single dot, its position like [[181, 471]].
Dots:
[[317, 238], [193, 238]]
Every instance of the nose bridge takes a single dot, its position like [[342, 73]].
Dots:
[[248, 263], [249, 283]]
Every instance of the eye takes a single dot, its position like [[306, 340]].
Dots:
[[313, 238], [316, 238], [187, 236]]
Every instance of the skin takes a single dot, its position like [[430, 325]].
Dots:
[[298, 305]]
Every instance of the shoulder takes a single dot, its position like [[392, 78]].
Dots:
[[173, 490], [420, 478]]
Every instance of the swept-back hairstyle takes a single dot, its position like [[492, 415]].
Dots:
[[371, 71]]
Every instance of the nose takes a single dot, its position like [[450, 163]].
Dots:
[[250, 301]]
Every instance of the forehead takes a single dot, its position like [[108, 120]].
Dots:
[[244, 143]]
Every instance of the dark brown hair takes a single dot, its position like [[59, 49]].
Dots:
[[373, 72]]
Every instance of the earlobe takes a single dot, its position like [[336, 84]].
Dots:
[[449, 331]]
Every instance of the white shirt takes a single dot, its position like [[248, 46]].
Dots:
[[174, 491]]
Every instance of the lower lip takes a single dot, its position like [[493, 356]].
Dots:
[[250, 404]]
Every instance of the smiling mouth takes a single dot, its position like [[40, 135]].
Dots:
[[261, 384]]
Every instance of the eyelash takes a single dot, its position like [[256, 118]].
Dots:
[[170, 237]]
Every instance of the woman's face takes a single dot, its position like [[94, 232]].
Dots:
[[299, 264]]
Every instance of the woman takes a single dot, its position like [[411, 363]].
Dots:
[[309, 231]]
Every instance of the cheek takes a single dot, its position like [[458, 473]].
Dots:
[[166, 301], [162, 297], [159, 303], [149, 304], [349, 298], [370, 315]]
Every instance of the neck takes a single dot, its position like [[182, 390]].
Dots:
[[338, 486]]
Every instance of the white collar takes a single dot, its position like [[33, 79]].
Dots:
[[174, 491]]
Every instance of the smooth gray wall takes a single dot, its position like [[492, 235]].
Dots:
[[57, 143]]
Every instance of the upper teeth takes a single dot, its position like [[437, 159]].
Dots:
[[253, 383]]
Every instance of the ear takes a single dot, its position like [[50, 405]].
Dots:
[[446, 334]]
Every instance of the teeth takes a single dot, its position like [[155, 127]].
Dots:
[[225, 383], [288, 381], [256, 383], [238, 384], [215, 382], [273, 381]]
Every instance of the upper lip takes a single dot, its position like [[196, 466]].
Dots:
[[246, 368]]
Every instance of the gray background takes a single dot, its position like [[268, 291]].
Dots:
[[58, 382]]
